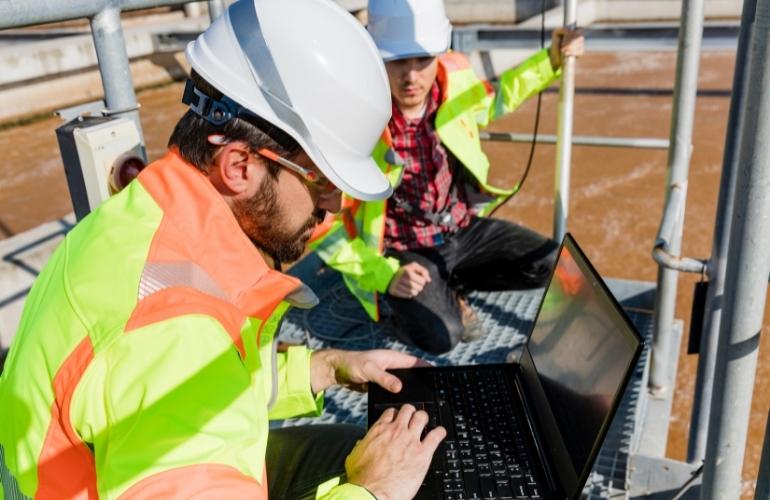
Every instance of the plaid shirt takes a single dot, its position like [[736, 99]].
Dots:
[[426, 183]]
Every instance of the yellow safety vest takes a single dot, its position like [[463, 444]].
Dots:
[[145, 364]]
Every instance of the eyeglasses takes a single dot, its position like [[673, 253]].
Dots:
[[319, 182], [316, 181]]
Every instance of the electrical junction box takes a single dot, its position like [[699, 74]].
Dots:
[[91, 147]]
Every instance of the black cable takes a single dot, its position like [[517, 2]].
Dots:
[[518, 185]]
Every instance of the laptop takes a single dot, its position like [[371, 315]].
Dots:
[[531, 429]]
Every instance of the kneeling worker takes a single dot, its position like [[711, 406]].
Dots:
[[430, 243], [144, 365]]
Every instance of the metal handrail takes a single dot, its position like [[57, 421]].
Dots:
[[579, 140], [682, 118], [746, 286], [109, 43], [564, 122], [20, 13], [713, 309], [661, 253]]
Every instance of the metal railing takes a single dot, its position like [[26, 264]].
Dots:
[[638, 38], [579, 140], [747, 270], [564, 132], [669, 241], [717, 264], [107, 32]]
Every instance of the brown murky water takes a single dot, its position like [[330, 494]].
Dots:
[[616, 197]]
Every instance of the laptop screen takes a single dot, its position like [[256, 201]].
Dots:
[[579, 356]]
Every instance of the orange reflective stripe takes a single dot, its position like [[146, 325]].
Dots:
[[264, 296], [386, 137], [322, 228], [490, 88], [351, 204], [454, 61], [178, 301], [199, 481], [349, 223], [447, 63], [66, 466]]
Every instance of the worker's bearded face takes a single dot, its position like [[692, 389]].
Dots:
[[411, 79], [267, 224]]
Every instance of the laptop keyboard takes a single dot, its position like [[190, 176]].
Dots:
[[483, 455]]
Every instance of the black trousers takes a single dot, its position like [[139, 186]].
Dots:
[[489, 254], [298, 459]]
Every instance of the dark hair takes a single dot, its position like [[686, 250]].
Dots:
[[191, 134]]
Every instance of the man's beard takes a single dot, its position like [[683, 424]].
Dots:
[[261, 219]]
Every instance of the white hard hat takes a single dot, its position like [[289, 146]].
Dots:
[[310, 69], [409, 28]]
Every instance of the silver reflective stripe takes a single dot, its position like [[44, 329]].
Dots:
[[248, 31], [11, 489], [157, 276], [303, 297], [274, 366]]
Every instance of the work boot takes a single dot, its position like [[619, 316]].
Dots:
[[473, 329]]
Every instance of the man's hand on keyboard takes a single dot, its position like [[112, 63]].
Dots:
[[355, 369], [391, 460]]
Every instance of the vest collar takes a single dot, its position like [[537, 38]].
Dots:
[[200, 227]]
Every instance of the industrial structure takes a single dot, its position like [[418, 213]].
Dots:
[[632, 463]]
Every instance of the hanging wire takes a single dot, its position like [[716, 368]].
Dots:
[[519, 185]]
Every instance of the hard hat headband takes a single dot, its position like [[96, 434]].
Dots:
[[220, 111]]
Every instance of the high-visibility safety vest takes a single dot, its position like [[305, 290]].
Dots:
[[145, 363], [352, 242]]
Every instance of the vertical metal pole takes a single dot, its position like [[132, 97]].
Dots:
[[718, 263], [682, 116], [746, 287], [763, 479], [216, 8], [114, 67], [564, 132]]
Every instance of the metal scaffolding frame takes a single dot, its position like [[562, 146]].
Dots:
[[669, 238], [564, 132], [717, 265], [746, 279], [107, 32]]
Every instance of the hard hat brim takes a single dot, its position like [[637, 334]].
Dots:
[[356, 176], [402, 50]]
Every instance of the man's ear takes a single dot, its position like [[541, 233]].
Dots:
[[231, 171]]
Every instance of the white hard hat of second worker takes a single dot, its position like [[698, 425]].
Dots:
[[409, 28], [309, 68]]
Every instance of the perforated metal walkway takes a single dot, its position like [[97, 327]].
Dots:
[[338, 321]]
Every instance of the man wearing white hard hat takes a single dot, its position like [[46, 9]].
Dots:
[[430, 242], [146, 365]]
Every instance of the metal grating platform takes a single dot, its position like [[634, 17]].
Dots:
[[339, 322]]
